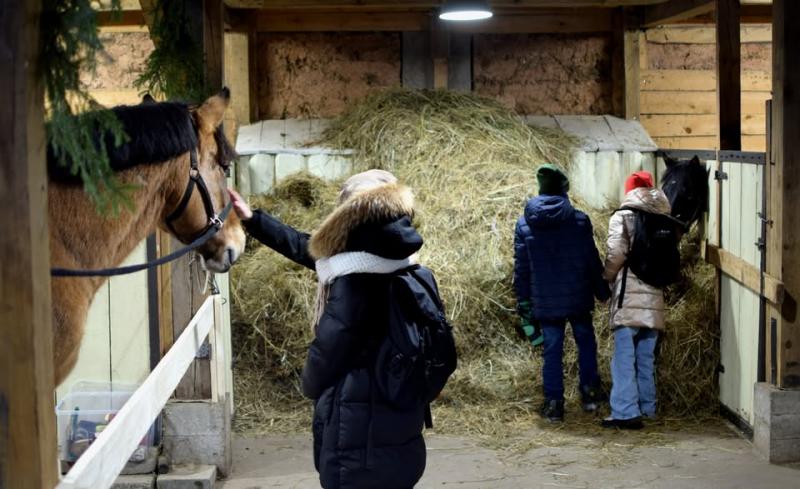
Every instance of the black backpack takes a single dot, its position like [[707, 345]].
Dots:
[[654, 255], [418, 354]]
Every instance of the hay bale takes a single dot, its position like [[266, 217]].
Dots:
[[471, 163]]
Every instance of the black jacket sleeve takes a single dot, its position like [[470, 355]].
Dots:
[[601, 289], [337, 341], [282, 238]]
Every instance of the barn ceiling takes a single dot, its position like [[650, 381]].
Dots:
[[425, 4]]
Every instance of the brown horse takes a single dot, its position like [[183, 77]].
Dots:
[[162, 136]]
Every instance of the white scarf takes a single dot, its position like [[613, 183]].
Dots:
[[329, 269]]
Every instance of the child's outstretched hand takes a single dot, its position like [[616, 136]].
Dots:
[[241, 207]]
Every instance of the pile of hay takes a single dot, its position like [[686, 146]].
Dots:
[[471, 163]]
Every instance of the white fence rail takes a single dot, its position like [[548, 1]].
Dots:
[[102, 462]]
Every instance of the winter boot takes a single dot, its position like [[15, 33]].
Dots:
[[592, 397], [552, 410]]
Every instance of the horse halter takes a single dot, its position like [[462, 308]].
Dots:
[[215, 220]]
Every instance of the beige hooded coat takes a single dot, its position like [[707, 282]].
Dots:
[[642, 304]]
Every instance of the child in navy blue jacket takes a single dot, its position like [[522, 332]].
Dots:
[[557, 276]]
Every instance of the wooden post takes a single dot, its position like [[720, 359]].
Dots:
[[440, 51], [783, 236], [625, 63], [729, 85], [187, 293], [252, 71], [213, 43], [27, 420]]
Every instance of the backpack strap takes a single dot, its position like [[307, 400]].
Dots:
[[622, 286], [431, 292]]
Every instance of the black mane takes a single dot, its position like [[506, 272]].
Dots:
[[157, 132], [686, 187]]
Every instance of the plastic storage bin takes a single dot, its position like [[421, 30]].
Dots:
[[86, 411]]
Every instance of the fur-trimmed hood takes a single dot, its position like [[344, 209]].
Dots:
[[377, 221]]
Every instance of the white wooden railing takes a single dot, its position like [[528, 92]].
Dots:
[[102, 462]]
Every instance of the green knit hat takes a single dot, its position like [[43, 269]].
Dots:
[[552, 181]]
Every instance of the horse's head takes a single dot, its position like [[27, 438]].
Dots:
[[686, 187], [213, 157]]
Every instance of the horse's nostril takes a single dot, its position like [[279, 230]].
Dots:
[[231, 257]]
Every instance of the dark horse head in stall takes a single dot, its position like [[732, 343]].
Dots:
[[686, 185]]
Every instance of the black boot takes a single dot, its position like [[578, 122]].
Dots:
[[592, 397], [623, 424], [552, 410]]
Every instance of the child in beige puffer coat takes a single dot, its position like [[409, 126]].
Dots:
[[638, 318]]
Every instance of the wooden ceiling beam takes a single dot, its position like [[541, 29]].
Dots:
[[675, 11], [598, 20], [426, 4], [750, 14]]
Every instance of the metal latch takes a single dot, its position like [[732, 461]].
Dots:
[[761, 244], [720, 175], [763, 217]]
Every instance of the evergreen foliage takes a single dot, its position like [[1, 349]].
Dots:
[[174, 69], [69, 44]]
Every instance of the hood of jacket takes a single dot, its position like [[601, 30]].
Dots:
[[651, 200], [377, 221], [548, 210]]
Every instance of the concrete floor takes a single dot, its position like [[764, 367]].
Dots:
[[712, 457]]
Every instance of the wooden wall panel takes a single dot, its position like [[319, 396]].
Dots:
[[678, 106]]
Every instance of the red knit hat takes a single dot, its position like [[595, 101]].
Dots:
[[638, 179]]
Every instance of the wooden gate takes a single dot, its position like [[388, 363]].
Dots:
[[735, 236]]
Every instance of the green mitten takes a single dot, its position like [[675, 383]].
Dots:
[[532, 331]]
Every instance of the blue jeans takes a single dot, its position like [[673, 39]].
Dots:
[[633, 390], [553, 370]]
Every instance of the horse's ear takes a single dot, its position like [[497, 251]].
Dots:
[[211, 113], [695, 160], [669, 162], [148, 99]]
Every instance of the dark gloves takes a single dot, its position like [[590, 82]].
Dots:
[[602, 290]]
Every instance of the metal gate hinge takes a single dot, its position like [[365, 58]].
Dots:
[[761, 244], [763, 218], [204, 351], [720, 175]]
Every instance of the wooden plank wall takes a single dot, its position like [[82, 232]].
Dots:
[[116, 344], [678, 86]]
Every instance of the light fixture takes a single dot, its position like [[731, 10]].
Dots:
[[460, 10]]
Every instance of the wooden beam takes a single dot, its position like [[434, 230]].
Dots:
[[705, 35], [783, 237], [729, 69], [701, 80], [745, 273], [626, 63], [594, 20], [27, 423], [749, 14], [676, 10], [589, 20], [165, 326], [213, 43], [428, 4], [126, 18], [253, 75]]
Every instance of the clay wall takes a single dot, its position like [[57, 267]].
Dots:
[[538, 74], [316, 75]]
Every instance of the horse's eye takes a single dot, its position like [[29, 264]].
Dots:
[[227, 171]]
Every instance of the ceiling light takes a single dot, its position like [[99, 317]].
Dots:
[[460, 10]]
